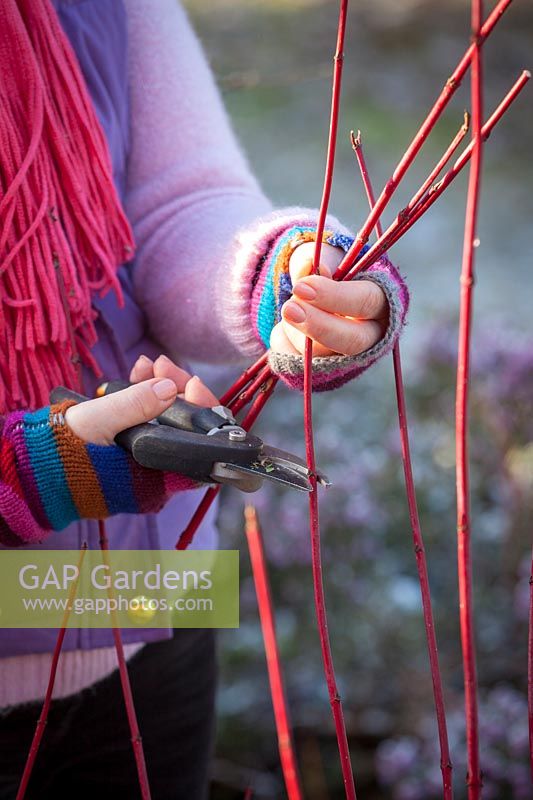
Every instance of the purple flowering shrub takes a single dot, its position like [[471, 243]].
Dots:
[[409, 765], [372, 591]]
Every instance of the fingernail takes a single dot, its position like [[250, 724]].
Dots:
[[304, 291], [144, 360], [164, 389], [293, 312]]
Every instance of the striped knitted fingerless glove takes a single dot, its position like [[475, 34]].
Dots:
[[50, 478], [271, 287]]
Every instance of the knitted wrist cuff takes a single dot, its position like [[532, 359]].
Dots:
[[105, 480], [49, 477], [333, 371]]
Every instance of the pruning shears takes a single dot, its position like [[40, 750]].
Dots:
[[206, 444]]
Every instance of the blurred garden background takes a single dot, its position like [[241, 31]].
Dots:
[[272, 59]]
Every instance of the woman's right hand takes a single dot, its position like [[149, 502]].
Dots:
[[156, 386]]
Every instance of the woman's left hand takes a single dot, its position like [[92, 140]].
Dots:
[[341, 317]]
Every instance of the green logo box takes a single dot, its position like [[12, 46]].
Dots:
[[119, 589]]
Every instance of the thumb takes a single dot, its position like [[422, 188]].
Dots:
[[99, 420], [301, 260]]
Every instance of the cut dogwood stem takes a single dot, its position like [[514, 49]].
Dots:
[[464, 558], [43, 717], [316, 556], [357, 147], [266, 389], [407, 218], [412, 151], [275, 675], [129, 705], [418, 542]]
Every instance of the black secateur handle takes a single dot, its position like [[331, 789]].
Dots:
[[178, 441]]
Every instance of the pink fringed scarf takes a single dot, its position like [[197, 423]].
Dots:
[[63, 232]]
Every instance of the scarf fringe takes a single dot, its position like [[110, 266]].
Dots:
[[63, 233]]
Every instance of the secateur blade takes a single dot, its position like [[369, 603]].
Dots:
[[293, 463], [249, 478], [272, 464]]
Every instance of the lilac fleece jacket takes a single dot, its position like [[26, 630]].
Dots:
[[193, 202]]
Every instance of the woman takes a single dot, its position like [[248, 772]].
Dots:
[[217, 276]]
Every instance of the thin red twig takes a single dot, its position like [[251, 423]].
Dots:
[[45, 710], [441, 163], [248, 394], [412, 151], [421, 564], [316, 556], [243, 380], [197, 518], [357, 147], [129, 705], [418, 542], [260, 402], [275, 675], [466, 611]]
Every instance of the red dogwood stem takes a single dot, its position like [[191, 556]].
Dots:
[[129, 705], [316, 556], [260, 402], [441, 163], [197, 518], [421, 564], [248, 394], [412, 151], [243, 380], [418, 542], [43, 717], [466, 611], [275, 675]]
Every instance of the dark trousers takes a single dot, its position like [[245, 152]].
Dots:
[[86, 750]]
